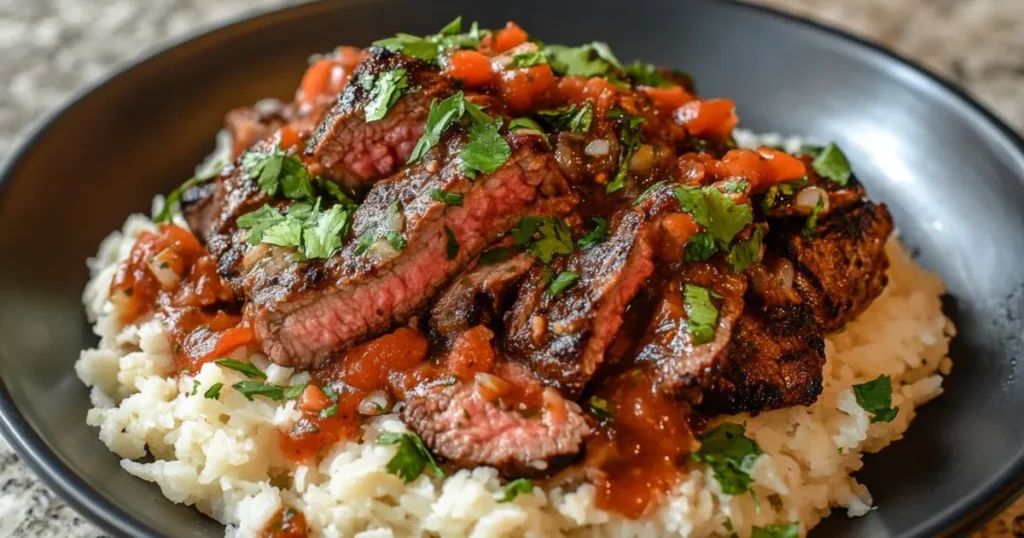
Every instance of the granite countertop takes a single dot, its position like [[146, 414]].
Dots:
[[50, 48]]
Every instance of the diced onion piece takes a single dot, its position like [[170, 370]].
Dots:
[[166, 266], [382, 249], [807, 199], [787, 273], [375, 403], [597, 147], [490, 386], [396, 222]]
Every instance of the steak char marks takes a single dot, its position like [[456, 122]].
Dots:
[[304, 312]]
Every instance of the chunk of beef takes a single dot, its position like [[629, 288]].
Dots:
[[355, 152], [774, 360], [563, 338], [304, 311], [682, 366], [841, 268], [478, 296], [472, 426], [249, 125]]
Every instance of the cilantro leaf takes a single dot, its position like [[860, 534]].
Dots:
[[525, 124], [875, 397], [514, 488], [258, 221], [395, 239], [596, 236], [441, 115], [275, 172], [449, 198], [195, 387], [495, 255], [174, 197], [717, 213], [647, 75], [451, 244], [790, 530], [333, 191], [731, 455], [323, 238], [832, 164], [411, 458], [629, 140], [385, 93], [528, 59], [329, 412], [811, 223], [745, 253], [213, 392], [594, 59], [364, 241], [562, 281], [246, 368], [701, 313], [649, 191], [287, 233], [701, 247], [569, 118], [453, 27], [599, 408], [411, 45], [545, 237], [295, 180], [485, 151], [251, 389], [295, 391]]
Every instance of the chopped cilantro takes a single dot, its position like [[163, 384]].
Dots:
[[717, 213], [195, 387], [485, 151], [596, 236], [649, 191], [584, 61], [364, 241], [875, 397], [832, 164], [562, 281], [287, 233], [649, 75], [323, 238], [274, 172], [731, 456], [251, 389], [410, 45], [569, 118], [441, 115], [629, 140], [745, 253], [545, 237], [395, 239], [514, 488], [213, 392], [525, 124], [174, 197], [333, 191], [453, 27], [451, 244], [811, 223], [789, 530], [329, 412], [529, 59], [495, 255], [385, 93], [701, 313], [411, 458], [295, 391], [449, 198], [599, 408], [701, 247], [246, 368]]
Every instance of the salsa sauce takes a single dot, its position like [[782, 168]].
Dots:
[[286, 523]]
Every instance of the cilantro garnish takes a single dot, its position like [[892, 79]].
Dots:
[[649, 75], [449, 198], [790, 530], [811, 223], [174, 197], [720, 216], [295, 391], [569, 118], [385, 93], [411, 458], [599, 408], [594, 59], [562, 281], [525, 124], [251, 389], [315, 233], [787, 188], [701, 313], [485, 151], [246, 368], [745, 253], [276, 173], [213, 392], [832, 164], [596, 236], [731, 456], [529, 59], [451, 244], [875, 397], [195, 387], [495, 255], [329, 411], [441, 115], [430, 47], [701, 247], [649, 191], [629, 139], [395, 239], [514, 488], [259, 221], [453, 27], [545, 237]]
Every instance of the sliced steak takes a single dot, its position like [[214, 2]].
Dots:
[[841, 268], [304, 311], [470, 425], [249, 125], [683, 367], [478, 296], [563, 338], [355, 152], [774, 360]]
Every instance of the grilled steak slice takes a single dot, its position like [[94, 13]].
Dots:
[[683, 367], [478, 296], [563, 338], [304, 311], [355, 152], [249, 125], [471, 426], [841, 268], [774, 360]]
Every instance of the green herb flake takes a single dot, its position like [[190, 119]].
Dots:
[[442, 115], [451, 244], [875, 397], [789, 530], [629, 140], [648, 75], [731, 455], [251, 389], [364, 241], [410, 45], [396, 240], [449, 198], [545, 237], [174, 197], [811, 224], [569, 118], [412, 457], [746, 253], [701, 247], [832, 164], [495, 255], [596, 236], [385, 93], [525, 125], [562, 281], [453, 27], [195, 387], [485, 151], [515, 488], [287, 233], [701, 313], [599, 408], [720, 216], [323, 237], [246, 368], [528, 59], [213, 392], [329, 411], [295, 391]]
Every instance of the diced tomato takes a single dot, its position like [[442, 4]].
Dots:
[[313, 400], [742, 163], [521, 88], [509, 36], [368, 366], [779, 166], [708, 117], [288, 138], [230, 340], [471, 67], [668, 98], [316, 80], [472, 353]]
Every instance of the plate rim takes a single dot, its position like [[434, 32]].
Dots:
[[967, 516]]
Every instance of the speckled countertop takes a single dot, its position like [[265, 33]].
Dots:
[[50, 48]]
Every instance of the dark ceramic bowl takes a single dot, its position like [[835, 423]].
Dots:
[[951, 172]]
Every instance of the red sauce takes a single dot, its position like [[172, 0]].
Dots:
[[286, 523]]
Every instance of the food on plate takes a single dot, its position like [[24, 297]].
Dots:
[[474, 284]]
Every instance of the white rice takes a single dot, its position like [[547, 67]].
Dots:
[[223, 457]]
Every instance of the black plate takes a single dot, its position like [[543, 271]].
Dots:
[[950, 171]]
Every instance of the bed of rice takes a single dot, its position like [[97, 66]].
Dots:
[[223, 457]]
